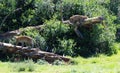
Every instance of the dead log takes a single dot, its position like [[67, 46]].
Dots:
[[93, 20], [88, 21], [34, 53], [10, 34]]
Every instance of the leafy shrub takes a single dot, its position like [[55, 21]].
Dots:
[[68, 8], [44, 11], [101, 38], [115, 47], [52, 31], [114, 5], [6, 7], [60, 38], [12, 17], [65, 47]]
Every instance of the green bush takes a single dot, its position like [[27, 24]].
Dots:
[[114, 5], [12, 17], [101, 38], [44, 11], [68, 8], [60, 38], [65, 47], [52, 32]]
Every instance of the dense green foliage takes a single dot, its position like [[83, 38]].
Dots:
[[57, 37]]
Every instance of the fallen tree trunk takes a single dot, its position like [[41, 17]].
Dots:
[[87, 22], [93, 20], [34, 53], [10, 34]]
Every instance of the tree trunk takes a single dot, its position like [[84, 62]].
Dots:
[[34, 53], [87, 22]]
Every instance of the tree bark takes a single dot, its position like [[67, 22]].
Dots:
[[34, 53], [90, 21], [10, 34]]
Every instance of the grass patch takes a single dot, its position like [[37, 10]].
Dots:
[[27, 66], [99, 64]]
